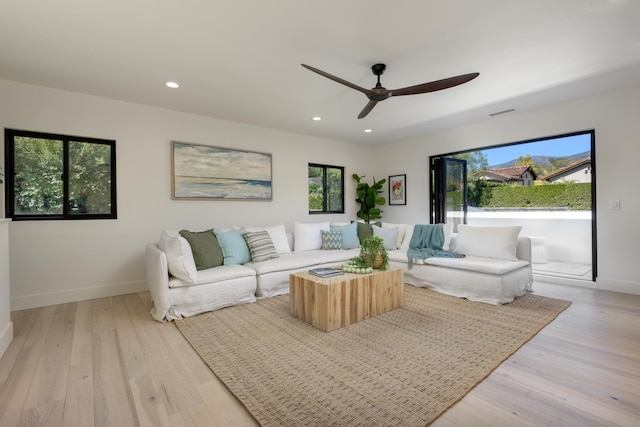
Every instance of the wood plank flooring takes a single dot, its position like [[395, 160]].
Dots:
[[106, 362]]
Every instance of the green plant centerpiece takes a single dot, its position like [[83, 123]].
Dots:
[[368, 198], [373, 254]]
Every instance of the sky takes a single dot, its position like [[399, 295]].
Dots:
[[556, 147]]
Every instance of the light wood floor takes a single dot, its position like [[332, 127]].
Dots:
[[106, 362]]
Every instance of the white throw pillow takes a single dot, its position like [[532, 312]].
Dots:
[[448, 232], [407, 238], [488, 242], [306, 235], [180, 260], [390, 236], [402, 229], [278, 236]]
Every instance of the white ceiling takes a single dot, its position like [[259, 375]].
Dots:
[[240, 60]]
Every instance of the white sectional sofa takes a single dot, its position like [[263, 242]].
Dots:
[[493, 270]]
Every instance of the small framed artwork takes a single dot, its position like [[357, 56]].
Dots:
[[202, 172], [398, 190]]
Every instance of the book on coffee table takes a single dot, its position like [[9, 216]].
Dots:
[[326, 272]]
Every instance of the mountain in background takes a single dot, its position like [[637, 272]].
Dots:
[[545, 162]]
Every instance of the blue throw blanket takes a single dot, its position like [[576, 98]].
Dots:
[[426, 242]]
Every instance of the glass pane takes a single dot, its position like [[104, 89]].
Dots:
[[38, 171], [89, 178], [455, 197], [334, 184], [316, 189]]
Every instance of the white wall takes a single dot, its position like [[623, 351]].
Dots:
[[61, 261], [613, 115], [6, 325]]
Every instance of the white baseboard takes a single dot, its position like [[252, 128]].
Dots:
[[602, 284], [618, 286], [74, 295], [5, 338], [563, 281]]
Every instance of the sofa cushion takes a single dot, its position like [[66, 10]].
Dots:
[[234, 247], [205, 248], [331, 240], [260, 245], [389, 237], [349, 235], [488, 242], [299, 260], [278, 235], [478, 264], [215, 275], [180, 261], [307, 237]]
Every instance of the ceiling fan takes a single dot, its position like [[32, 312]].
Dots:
[[380, 93]]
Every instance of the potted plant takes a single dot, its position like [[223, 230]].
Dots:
[[373, 253], [368, 197]]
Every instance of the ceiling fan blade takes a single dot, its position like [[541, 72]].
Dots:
[[435, 85], [367, 109], [337, 79]]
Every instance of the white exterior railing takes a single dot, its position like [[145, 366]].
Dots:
[[567, 234]]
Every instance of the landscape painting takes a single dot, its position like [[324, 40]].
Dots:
[[202, 172]]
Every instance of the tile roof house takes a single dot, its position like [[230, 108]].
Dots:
[[518, 175], [579, 171]]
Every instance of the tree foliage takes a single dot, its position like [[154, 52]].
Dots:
[[39, 173]]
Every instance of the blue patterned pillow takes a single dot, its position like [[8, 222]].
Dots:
[[349, 232], [234, 247], [331, 240]]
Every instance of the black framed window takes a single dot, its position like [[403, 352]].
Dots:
[[326, 189], [52, 176]]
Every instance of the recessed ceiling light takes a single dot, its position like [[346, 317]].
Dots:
[[316, 118], [368, 131], [172, 85]]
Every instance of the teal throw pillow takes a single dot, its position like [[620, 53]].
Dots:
[[260, 245], [349, 232], [205, 248], [331, 240], [234, 247]]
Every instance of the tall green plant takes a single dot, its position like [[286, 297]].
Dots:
[[368, 198]]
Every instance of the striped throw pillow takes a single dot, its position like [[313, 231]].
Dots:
[[260, 245]]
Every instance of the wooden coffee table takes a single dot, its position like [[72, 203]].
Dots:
[[333, 302]]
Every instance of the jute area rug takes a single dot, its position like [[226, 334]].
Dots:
[[402, 368]]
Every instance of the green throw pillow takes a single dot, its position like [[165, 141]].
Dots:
[[365, 230], [205, 248]]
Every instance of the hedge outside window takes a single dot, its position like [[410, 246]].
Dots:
[[326, 189], [59, 177]]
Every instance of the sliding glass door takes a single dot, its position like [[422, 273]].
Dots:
[[449, 191]]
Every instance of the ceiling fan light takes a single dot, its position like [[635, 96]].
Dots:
[[172, 85]]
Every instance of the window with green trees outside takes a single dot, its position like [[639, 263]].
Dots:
[[326, 189], [59, 177]]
